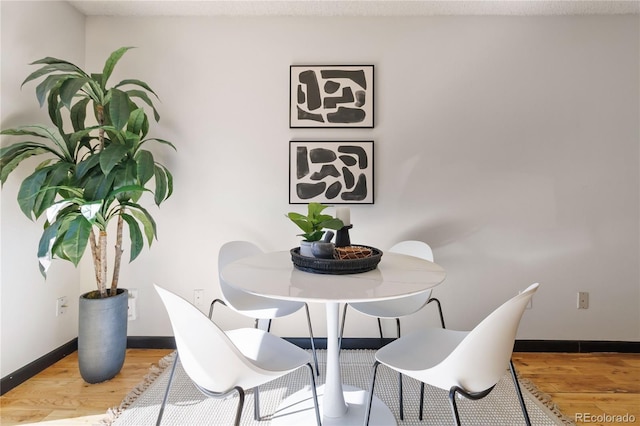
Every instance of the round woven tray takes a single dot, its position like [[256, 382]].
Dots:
[[336, 266]]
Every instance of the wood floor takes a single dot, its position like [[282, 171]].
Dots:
[[584, 385]]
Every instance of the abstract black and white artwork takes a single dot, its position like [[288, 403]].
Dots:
[[331, 172], [331, 96]]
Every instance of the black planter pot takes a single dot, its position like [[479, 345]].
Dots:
[[102, 336]]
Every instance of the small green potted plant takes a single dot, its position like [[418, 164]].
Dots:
[[95, 170], [313, 225]]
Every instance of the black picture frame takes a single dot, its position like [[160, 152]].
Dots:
[[331, 96], [331, 172]]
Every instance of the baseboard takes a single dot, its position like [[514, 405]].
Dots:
[[576, 346], [28, 371], [168, 342], [569, 346]]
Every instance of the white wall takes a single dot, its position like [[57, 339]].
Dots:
[[510, 144], [29, 327]]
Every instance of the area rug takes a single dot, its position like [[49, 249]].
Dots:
[[187, 406]]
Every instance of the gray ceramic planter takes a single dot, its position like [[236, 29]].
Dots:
[[102, 336]]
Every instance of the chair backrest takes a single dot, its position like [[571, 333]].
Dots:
[[207, 355], [413, 248], [229, 252], [481, 359], [411, 304]]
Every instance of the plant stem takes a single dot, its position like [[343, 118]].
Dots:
[[96, 263], [100, 111], [118, 257], [102, 246]]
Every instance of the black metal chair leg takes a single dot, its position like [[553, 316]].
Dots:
[[213, 303], [400, 396], [421, 401], [313, 345], [519, 392], [166, 392], [240, 405], [315, 395], [401, 399], [371, 387], [433, 299], [380, 328], [454, 407]]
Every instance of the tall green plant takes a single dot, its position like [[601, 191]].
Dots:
[[96, 167]]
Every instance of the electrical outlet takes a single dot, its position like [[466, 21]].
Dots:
[[583, 300], [61, 305], [198, 298], [132, 313]]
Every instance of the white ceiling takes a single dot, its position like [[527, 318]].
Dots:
[[352, 7]]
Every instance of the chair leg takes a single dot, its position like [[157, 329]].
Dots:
[[421, 401], [315, 394], [213, 303], [256, 404], [380, 328], [433, 299], [371, 387], [519, 392], [166, 392], [240, 405], [400, 396], [454, 407], [469, 395], [313, 345], [401, 401]]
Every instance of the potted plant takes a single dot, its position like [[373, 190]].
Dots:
[[95, 172], [313, 225]]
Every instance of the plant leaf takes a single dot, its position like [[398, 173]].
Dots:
[[137, 242], [47, 84], [47, 239], [75, 239], [10, 162], [111, 156], [161, 185], [61, 66], [137, 83], [147, 223], [161, 141], [69, 88], [29, 190], [111, 62], [78, 114], [119, 108], [143, 95], [136, 121], [145, 218], [98, 186], [144, 160]]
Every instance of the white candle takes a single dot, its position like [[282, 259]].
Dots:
[[344, 215]]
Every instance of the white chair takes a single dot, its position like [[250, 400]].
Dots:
[[464, 363], [251, 305], [396, 308], [220, 363]]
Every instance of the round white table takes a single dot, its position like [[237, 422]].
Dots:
[[273, 275]]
